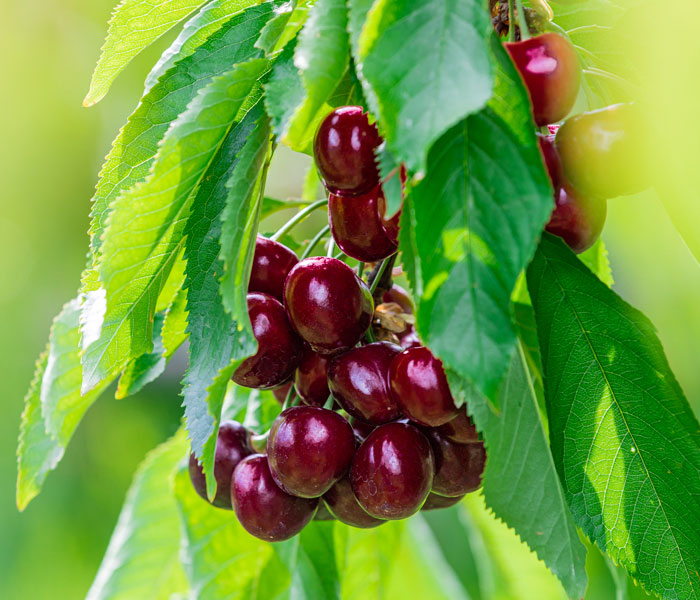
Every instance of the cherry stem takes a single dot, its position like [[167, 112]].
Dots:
[[259, 442], [522, 21], [314, 241], [377, 276], [369, 335], [329, 403], [360, 269], [297, 218], [511, 20], [331, 247], [288, 400]]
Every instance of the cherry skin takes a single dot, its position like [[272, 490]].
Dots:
[[309, 449], [280, 392], [344, 152], [392, 472], [551, 159], [343, 505], [460, 429], [262, 508], [552, 74], [311, 378], [328, 304], [231, 448], [409, 338], [458, 467], [359, 382], [279, 348], [399, 296], [419, 385], [577, 219], [272, 262], [361, 429], [604, 152], [435, 501], [359, 227]]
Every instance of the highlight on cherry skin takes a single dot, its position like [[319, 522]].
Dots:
[[272, 262]]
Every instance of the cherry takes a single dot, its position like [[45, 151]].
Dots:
[[272, 262], [460, 429], [359, 227], [409, 338], [309, 449], [392, 472], [399, 296], [435, 501], [359, 383], [280, 392], [231, 448], [603, 152], [550, 69], [361, 429], [419, 385], [458, 467], [328, 304], [279, 348], [344, 152], [343, 505], [577, 219], [311, 379], [551, 159], [263, 509]]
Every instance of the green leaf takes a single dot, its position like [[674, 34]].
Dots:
[[215, 340], [175, 325], [520, 481], [53, 405], [624, 439], [144, 235], [427, 65], [285, 26], [255, 409], [470, 227], [135, 25], [389, 172], [142, 562], [210, 18]]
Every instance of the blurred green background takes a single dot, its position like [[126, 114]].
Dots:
[[50, 152]]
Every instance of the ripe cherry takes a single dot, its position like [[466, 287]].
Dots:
[[280, 392], [409, 338], [263, 509], [309, 449], [359, 382], [279, 348], [328, 304], [311, 378], [359, 227], [343, 505], [552, 74], [272, 262], [344, 152], [460, 429], [577, 219], [435, 501], [231, 448], [551, 159], [392, 471], [361, 429], [419, 385], [458, 467], [604, 152]]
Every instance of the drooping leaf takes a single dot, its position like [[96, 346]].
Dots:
[[144, 235], [215, 337], [389, 173], [285, 26], [470, 227], [142, 562], [624, 439], [135, 25], [427, 65]]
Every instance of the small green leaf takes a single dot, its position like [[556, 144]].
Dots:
[[135, 25], [624, 439], [285, 26], [424, 67], [389, 172], [142, 559]]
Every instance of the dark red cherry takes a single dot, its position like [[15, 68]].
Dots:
[[344, 152], [343, 505], [328, 304], [359, 382], [231, 448], [458, 467], [552, 74], [460, 429], [279, 348], [272, 262], [577, 219], [399, 296], [551, 159], [311, 378], [362, 429], [435, 502], [280, 392], [309, 449], [392, 472], [263, 509], [419, 385], [409, 338], [359, 227]]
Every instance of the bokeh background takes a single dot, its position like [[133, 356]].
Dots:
[[50, 152]]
